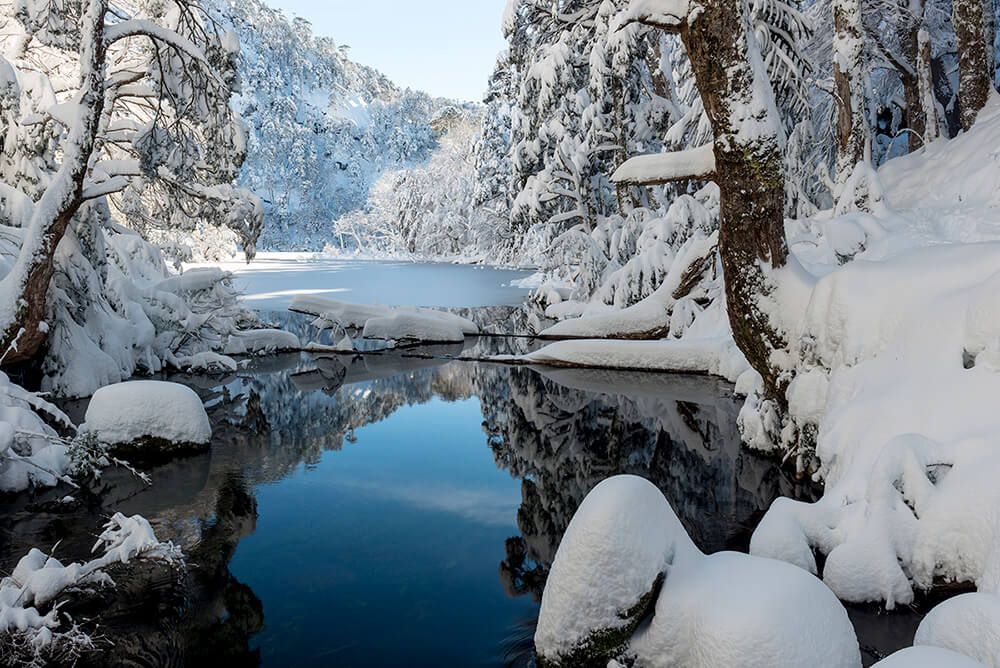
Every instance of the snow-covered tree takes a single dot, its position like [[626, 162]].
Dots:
[[322, 128], [745, 159], [142, 104], [434, 210]]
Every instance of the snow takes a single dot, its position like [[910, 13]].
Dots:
[[126, 412], [717, 355], [39, 580], [731, 609], [659, 168], [969, 624], [725, 609], [927, 657], [402, 325], [621, 539], [261, 341], [669, 14], [899, 353], [385, 322], [31, 453]]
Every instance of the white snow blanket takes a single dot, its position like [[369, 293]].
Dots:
[[906, 433], [726, 609], [927, 657], [898, 370], [261, 341], [717, 355], [387, 322], [126, 412]]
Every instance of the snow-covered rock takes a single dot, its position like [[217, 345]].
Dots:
[[732, 609], [969, 624], [134, 411], [260, 341], [414, 327], [927, 657], [725, 609], [386, 322], [620, 543]]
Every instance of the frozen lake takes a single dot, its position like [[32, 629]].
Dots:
[[271, 281]]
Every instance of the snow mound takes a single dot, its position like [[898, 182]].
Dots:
[[619, 544], [969, 624], [261, 341], [899, 382], [127, 412], [726, 609], [731, 609], [386, 322], [927, 657]]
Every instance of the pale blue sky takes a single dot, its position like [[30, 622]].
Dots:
[[443, 47]]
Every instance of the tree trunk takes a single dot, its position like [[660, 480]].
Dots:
[[925, 78], [915, 119], [28, 281], [853, 132], [738, 98], [973, 62], [989, 24]]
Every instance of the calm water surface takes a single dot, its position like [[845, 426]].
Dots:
[[402, 510]]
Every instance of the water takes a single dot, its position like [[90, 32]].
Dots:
[[272, 279], [409, 515], [401, 508]]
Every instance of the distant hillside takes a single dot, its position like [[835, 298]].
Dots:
[[322, 127]]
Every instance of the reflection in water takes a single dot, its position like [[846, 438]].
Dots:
[[408, 526]]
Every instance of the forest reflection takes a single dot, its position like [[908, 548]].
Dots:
[[557, 431]]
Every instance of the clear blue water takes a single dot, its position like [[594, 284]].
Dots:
[[386, 552], [394, 510]]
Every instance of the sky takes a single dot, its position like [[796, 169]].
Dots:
[[444, 47]]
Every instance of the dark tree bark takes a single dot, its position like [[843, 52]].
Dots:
[[916, 121], [739, 101], [974, 76], [848, 71]]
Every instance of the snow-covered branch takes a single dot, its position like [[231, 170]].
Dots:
[[667, 15], [661, 168]]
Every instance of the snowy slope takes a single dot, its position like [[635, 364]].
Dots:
[[899, 371], [322, 127]]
